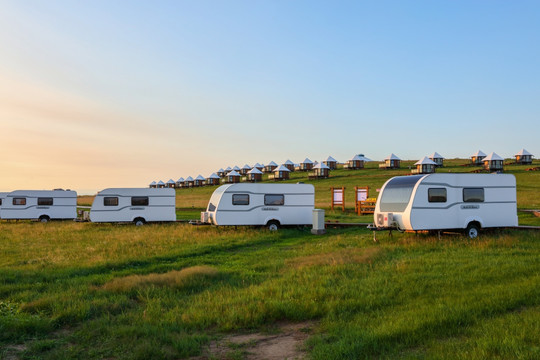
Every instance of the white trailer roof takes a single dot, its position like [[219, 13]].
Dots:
[[425, 161], [436, 155], [492, 157], [254, 171], [282, 168], [523, 152]]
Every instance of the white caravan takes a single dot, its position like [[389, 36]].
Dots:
[[43, 205], [137, 205], [271, 205], [2, 197], [447, 201]]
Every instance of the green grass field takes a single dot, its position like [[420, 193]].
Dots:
[[103, 291]]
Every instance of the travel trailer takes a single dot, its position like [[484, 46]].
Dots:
[[42, 205], [2, 197], [271, 205], [447, 201], [137, 205]]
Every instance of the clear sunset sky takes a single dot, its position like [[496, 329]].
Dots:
[[97, 94]]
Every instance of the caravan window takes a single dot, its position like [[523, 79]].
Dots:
[[139, 201], [45, 201], [19, 201], [473, 195], [437, 195], [240, 199], [274, 199], [0, 202], [110, 201], [397, 193]]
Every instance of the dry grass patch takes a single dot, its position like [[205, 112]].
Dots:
[[341, 257], [175, 279]]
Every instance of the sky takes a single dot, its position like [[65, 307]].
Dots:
[[97, 94]]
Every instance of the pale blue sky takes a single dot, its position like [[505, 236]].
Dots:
[[120, 93]]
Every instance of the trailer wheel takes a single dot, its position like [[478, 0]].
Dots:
[[472, 230], [273, 225], [44, 219], [139, 222]]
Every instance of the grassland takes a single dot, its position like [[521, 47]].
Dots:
[[101, 291]]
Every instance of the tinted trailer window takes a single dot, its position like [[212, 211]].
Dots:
[[397, 193]]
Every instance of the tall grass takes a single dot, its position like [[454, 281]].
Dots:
[[74, 290]]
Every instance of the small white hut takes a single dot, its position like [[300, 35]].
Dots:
[[289, 165], [254, 175], [493, 162], [258, 166], [188, 182], [160, 184], [306, 165], [524, 157], [281, 173], [233, 177], [270, 167], [170, 184], [153, 184], [199, 181], [221, 173], [244, 170], [437, 159], [477, 157], [424, 166], [391, 162], [320, 171], [331, 163], [356, 163], [212, 179], [180, 182]]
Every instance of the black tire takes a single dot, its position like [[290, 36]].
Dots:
[[472, 230], [273, 225], [44, 219], [139, 222]]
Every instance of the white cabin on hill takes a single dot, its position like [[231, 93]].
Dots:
[[391, 162], [524, 157], [477, 157], [331, 163], [437, 159], [493, 162], [424, 166]]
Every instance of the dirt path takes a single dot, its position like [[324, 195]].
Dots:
[[286, 343]]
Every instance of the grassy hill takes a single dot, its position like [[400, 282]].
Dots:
[[190, 202], [171, 291]]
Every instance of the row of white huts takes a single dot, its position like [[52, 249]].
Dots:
[[426, 165]]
